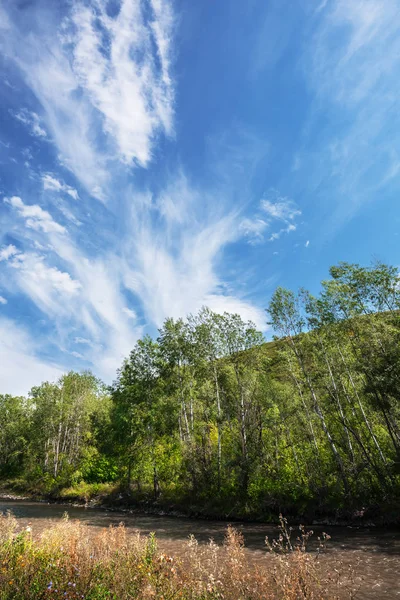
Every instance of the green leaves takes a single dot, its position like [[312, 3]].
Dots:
[[209, 414]]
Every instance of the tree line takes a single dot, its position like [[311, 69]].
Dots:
[[212, 415]]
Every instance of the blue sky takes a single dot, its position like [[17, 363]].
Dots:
[[160, 155]]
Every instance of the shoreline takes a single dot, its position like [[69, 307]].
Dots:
[[102, 504]]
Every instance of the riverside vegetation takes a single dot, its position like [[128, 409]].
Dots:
[[210, 418], [68, 563]]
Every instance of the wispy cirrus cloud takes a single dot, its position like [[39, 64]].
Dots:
[[348, 71], [279, 207], [53, 184], [172, 269], [20, 367], [125, 92], [35, 217], [104, 87], [134, 97], [235, 305], [7, 252], [253, 229], [46, 285], [31, 120], [351, 65], [274, 209], [75, 292]]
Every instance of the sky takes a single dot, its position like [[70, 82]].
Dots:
[[157, 156]]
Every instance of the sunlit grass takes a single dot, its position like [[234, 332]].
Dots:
[[68, 561]]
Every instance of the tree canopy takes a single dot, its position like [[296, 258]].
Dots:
[[211, 414]]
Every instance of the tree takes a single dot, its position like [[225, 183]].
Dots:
[[15, 415], [61, 423]]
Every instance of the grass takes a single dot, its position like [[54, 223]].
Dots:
[[68, 561], [81, 492], [87, 491]]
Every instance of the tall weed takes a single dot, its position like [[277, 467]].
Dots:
[[68, 561]]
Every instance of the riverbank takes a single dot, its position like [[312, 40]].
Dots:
[[113, 497]]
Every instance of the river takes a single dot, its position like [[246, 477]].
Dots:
[[373, 552]]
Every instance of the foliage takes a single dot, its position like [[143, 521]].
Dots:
[[210, 416]]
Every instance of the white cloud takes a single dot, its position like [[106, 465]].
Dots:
[[277, 234], [68, 114], [7, 252], [80, 340], [103, 82], [133, 97], [248, 312], [98, 310], [351, 65], [83, 295], [129, 312], [277, 208], [53, 184], [280, 208], [104, 302], [162, 26], [40, 246], [36, 217], [253, 229], [103, 106], [68, 214], [47, 286], [20, 367], [3, 300], [59, 280], [307, 243], [175, 271], [32, 121], [349, 71]]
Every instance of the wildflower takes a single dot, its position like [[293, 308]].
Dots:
[[50, 585]]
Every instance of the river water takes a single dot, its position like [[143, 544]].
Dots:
[[373, 553]]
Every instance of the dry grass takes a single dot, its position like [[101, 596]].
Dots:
[[68, 562]]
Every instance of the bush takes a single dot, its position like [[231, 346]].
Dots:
[[86, 491]]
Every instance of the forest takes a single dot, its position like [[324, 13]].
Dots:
[[212, 418]]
